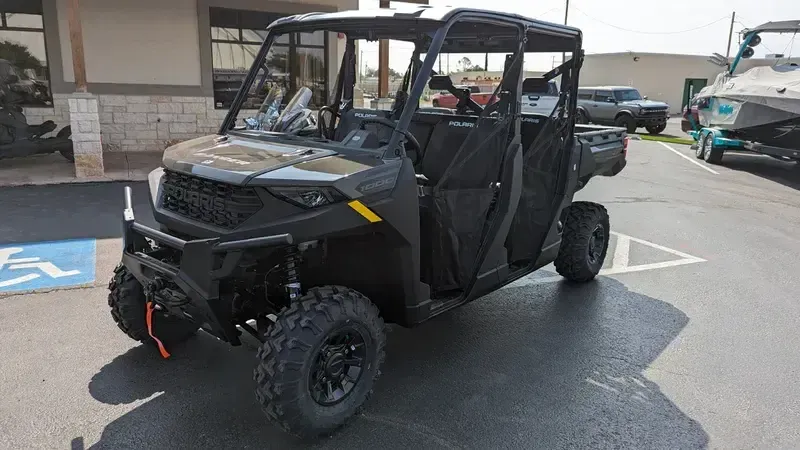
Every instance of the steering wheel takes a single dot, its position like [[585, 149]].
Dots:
[[327, 129], [410, 139]]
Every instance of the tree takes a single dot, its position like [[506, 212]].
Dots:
[[465, 64], [20, 56], [369, 72]]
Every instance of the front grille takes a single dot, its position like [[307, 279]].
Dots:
[[220, 204], [654, 111]]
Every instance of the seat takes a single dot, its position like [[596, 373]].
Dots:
[[530, 127], [447, 137], [352, 119]]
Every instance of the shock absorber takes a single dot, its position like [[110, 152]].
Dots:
[[291, 278]]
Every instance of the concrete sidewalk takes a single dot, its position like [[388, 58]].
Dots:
[[55, 169]]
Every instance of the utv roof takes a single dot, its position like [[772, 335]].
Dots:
[[783, 26], [399, 24]]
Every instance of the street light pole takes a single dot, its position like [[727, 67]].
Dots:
[[730, 36]]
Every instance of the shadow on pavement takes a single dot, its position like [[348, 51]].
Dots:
[[546, 366], [68, 211], [786, 173]]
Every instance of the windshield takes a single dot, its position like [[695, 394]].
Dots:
[[627, 95]]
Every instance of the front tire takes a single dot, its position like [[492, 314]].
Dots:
[[320, 361], [584, 242], [128, 309], [627, 122], [656, 129]]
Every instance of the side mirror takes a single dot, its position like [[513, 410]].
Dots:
[[644, 98], [611, 100]]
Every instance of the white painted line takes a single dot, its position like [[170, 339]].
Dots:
[[621, 261], [621, 252], [689, 159]]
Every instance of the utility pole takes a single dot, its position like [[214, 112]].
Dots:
[[566, 15], [730, 36]]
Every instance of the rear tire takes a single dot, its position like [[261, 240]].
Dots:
[[584, 242], [332, 337], [128, 309], [627, 122], [69, 155], [580, 117], [711, 154]]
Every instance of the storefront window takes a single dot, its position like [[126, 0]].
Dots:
[[24, 77], [294, 61]]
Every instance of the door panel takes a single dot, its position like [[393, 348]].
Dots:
[[605, 110]]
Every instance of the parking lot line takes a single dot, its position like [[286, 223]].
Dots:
[[689, 159]]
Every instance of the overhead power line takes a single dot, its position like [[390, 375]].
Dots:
[[652, 32]]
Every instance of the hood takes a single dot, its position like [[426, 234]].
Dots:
[[646, 104], [237, 159]]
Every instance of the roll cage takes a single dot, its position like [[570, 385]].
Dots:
[[432, 31]]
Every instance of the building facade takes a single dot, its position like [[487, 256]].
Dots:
[[157, 71], [671, 78]]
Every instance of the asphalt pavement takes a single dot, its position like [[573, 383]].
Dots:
[[688, 340]]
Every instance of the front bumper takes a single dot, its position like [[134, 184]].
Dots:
[[651, 120], [197, 271]]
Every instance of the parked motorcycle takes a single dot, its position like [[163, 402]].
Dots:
[[17, 137]]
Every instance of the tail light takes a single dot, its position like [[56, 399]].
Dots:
[[625, 146]]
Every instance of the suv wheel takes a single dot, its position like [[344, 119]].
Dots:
[[656, 129], [580, 117], [627, 122], [436, 103], [584, 242], [129, 310], [320, 360]]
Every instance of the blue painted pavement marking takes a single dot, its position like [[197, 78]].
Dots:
[[52, 264]]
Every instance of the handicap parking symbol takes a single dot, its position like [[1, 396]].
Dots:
[[51, 264]]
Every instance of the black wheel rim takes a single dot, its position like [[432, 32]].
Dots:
[[338, 366], [597, 242]]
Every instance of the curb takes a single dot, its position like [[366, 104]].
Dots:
[[65, 180]]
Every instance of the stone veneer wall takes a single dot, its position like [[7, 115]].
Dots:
[[142, 122]]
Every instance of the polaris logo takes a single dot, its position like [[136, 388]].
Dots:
[[194, 198], [461, 124], [221, 158], [364, 115], [531, 120]]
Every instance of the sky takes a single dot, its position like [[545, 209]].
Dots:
[[698, 27]]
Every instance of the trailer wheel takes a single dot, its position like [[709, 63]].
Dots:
[[128, 309], [699, 149], [320, 361], [584, 242], [711, 154]]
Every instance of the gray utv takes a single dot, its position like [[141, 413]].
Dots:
[[311, 229]]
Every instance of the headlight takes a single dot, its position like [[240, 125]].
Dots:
[[309, 197]]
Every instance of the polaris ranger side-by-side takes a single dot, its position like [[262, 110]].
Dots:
[[310, 230]]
